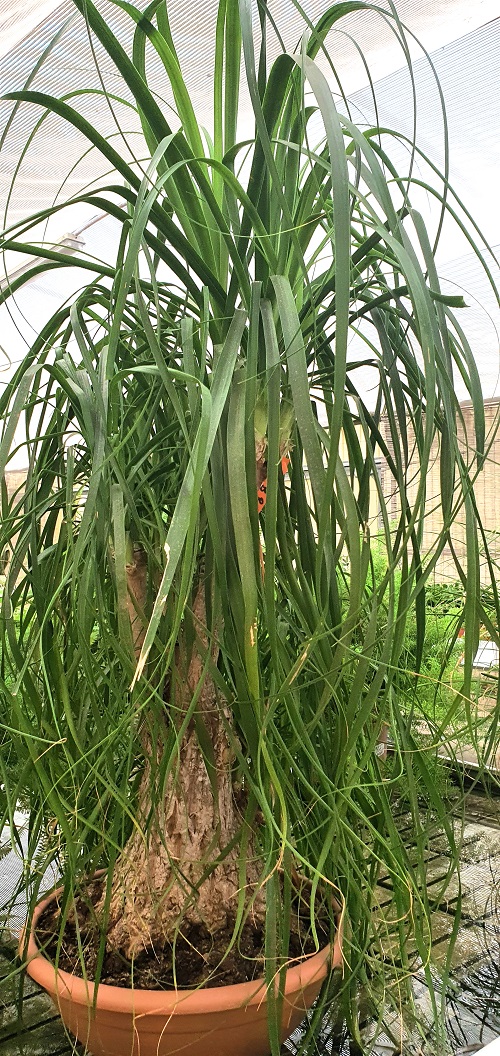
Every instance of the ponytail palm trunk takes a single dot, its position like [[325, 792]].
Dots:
[[164, 879], [205, 607]]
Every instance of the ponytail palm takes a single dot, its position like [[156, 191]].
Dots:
[[199, 650]]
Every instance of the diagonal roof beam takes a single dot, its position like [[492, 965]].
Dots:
[[69, 244]]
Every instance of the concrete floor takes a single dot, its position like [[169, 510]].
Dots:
[[470, 1014], [471, 1017]]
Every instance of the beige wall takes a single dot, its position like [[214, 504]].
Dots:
[[486, 491], [15, 480]]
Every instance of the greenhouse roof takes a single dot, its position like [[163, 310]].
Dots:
[[464, 43]]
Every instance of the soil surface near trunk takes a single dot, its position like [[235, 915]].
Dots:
[[200, 959]]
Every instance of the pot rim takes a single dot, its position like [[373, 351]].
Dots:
[[63, 985]]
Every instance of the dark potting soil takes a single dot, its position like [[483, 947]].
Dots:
[[200, 958]]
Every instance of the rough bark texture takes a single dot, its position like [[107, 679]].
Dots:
[[137, 581], [157, 885]]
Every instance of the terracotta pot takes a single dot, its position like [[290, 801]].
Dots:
[[223, 1021]]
